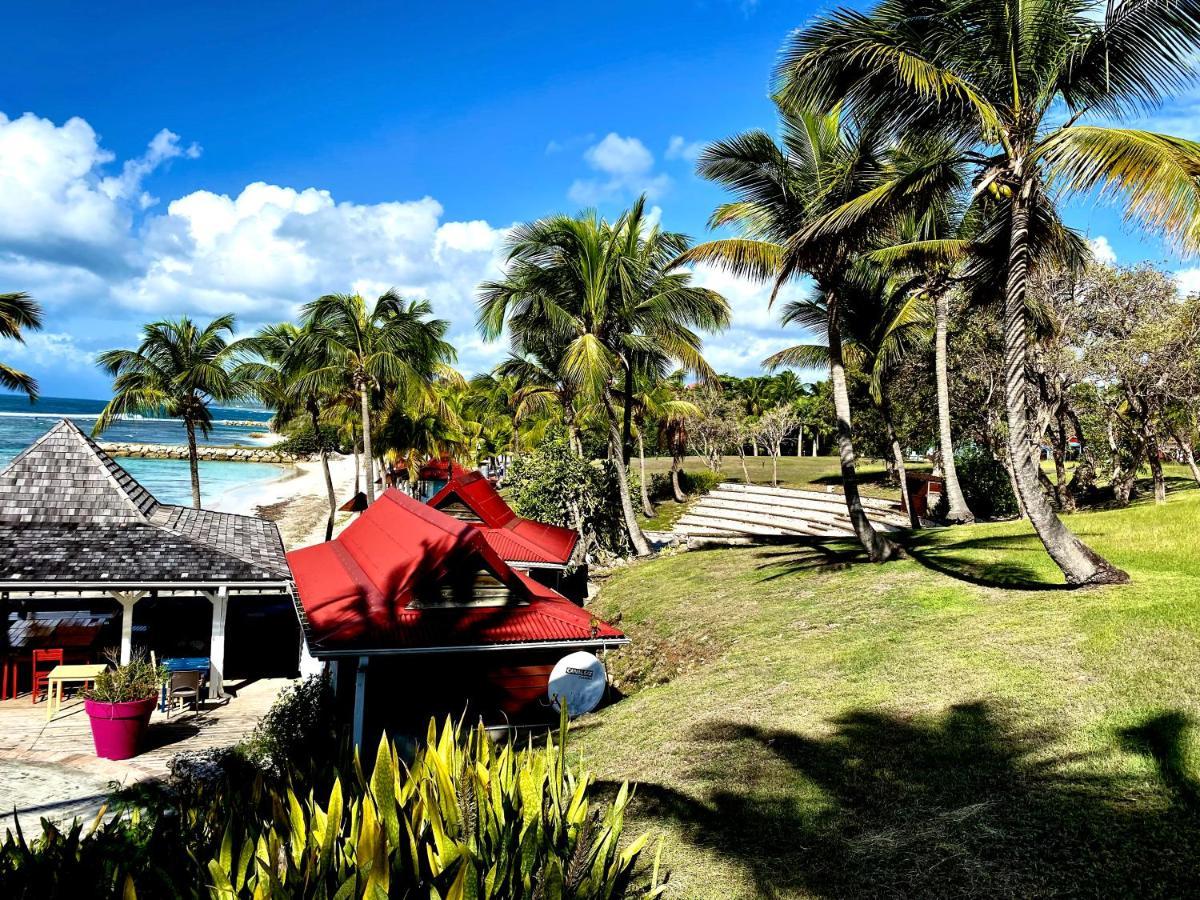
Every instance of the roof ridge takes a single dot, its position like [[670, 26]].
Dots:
[[108, 464]]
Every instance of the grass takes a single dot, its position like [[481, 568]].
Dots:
[[810, 472], [804, 724]]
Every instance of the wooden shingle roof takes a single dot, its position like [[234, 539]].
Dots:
[[70, 514]]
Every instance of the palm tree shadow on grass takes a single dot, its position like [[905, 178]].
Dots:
[[964, 804], [798, 555], [962, 560]]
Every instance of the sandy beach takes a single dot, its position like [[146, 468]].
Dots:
[[297, 501]]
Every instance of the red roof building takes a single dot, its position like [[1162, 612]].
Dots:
[[522, 542], [407, 582]]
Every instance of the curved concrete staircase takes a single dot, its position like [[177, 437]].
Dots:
[[743, 513]]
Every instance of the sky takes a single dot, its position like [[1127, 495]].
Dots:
[[199, 159]]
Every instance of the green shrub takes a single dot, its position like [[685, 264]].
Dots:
[[693, 484], [551, 484], [299, 732], [465, 819], [303, 441], [985, 484]]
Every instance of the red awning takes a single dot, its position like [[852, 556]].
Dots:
[[357, 589], [515, 539]]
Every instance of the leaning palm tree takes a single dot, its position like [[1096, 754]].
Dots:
[[781, 191], [18, 313], [178, 369], [280, 381], [655, 400], [377, 349], [1025, 90], [612, 298]]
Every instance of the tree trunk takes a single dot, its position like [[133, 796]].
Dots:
[[676, 488], [885, 411], [368, 460], [816, 443], [314, 414], [636, 538], [800, 441], [1189, 453], [357, 468], [193, 461], [742, 457], [1080, 564], [878, 547], [1155, 460], [957, 511], [627, 425], [516, 441], [775, 467], [1062, 488], [647, 506]]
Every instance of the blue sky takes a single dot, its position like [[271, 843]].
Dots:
[[215, 157]]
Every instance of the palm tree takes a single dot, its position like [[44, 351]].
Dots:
[[656, 401], [614, 299], [389, 346], [281, 384], [881, 322], [18, 312], [1014, 85], [782, 191], [178, 369]]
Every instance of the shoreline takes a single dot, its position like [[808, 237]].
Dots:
[[295, 501]]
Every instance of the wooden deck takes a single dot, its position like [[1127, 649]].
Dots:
[[51, 768]]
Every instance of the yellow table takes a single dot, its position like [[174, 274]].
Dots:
[[80, 674]]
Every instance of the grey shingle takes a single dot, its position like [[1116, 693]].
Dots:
[[70, 513]]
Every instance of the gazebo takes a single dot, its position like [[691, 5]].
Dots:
[[76, 528]]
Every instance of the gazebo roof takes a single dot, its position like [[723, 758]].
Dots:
[[69, 514]]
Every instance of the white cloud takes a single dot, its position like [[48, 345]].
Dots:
[[1102, 250], [627, 167], [1188, 281], [48, 348], [79, 238], [679, 148]]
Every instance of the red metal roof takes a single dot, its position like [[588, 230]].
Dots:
[[514, 538], [356, 589]]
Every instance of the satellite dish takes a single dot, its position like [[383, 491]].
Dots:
[[578, 680]]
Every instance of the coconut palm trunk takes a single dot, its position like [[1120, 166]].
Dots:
[[636, 538], [885, 411], [627, 424], [368, 460], [315, 417], [957, 512], [878, 547], [647, 506], [677, 488], [1079, 563], [193, 460]]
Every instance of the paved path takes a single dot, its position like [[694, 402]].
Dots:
[[50, 768]]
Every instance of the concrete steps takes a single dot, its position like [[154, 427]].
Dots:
[[740, 513]]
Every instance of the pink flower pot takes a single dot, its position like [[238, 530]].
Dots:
[[117, 728]]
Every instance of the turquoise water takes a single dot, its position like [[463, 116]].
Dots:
[[168, 479]]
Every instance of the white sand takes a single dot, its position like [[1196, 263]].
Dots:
[[297, 501]]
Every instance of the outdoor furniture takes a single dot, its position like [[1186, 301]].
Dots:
[[174, 664], [82, 675], [8, 674], [43, 662], [184, 687]]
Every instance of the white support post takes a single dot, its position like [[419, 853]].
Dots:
[[216, 643], [360, 699], [127, 599]]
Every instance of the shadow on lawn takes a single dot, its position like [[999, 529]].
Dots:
[[966, 804], [962, 559]]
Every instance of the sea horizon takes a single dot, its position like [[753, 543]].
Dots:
[[22, 423]]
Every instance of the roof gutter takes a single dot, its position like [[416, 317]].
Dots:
[[601, 643], [105, 586]]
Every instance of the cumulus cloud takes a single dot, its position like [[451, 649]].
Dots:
[[1188, 281], [626, 168], [48, 348], [80, 236], [679, 148], [1102, 250]]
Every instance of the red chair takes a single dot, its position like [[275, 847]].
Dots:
[[8, 675], [44, 662]]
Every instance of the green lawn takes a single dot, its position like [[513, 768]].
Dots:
[[803, 723]]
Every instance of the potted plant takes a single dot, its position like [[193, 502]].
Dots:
[[119, 705]]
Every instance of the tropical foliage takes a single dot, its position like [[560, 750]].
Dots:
[[18, 313]]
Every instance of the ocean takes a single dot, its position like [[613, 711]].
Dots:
[[168, 479]]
